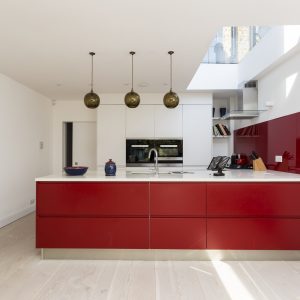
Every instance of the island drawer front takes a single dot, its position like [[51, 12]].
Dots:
[[177, 199], [178, 233], [126, 233], [253, 199], [253, 234], [92, 199]]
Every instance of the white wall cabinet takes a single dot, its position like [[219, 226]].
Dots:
[[168, 122], [197, 135], [140, 122], [111, 138], [191, 122]]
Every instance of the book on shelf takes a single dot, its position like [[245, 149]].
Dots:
[[220, 130], [226, 129], [215, 131]]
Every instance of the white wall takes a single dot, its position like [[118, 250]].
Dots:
[[280, 86], [276, 46], [165, 123], [67, 111], [215, 77], [25, 121]]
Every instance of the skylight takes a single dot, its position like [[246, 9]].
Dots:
[[232, 43]]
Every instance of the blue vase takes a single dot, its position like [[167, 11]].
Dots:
[[110, 168]]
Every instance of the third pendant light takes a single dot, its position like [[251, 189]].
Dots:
[[132, 99], [171, 99]]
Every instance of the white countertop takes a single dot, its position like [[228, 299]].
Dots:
[[198, 175]]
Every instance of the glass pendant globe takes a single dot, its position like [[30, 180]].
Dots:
[[171, 100], [91, 100], [132, 99]]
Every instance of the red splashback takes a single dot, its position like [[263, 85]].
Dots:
[[279, 136]]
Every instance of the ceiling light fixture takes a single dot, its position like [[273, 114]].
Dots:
[[171, 100], [91, 99], [132, 99]]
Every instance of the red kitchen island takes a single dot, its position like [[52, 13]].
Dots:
[[184, 216]]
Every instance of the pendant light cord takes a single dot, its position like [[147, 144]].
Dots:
[[92, 75], [170, 72], [131, 53], [132, 72]]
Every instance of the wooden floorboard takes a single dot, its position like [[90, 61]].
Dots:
[[23, 275]]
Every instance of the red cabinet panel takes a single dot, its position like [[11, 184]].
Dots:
[[251, 234], [253, 199], [178, 233], [92, 199], [57, 232], [177, 199]]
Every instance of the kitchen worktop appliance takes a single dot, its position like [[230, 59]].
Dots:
[[239, 161]]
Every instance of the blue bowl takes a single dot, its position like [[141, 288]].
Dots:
[[75, 171]]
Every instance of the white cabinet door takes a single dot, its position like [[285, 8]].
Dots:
[[111, 141], [197, 135], [168, 122], [140, 122]]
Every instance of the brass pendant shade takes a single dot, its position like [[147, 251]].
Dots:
[[132, 99], [171, 99], [91, 99]]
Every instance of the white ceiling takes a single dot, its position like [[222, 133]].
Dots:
[[44, 44]]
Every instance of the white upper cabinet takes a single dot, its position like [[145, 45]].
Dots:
[[140, 122], [168, 121], [111, 141], [197, 135]]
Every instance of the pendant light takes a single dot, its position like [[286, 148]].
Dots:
[[171, 100], [132, 99], [91, 99]]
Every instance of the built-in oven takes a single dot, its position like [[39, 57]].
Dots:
[[170, 152]]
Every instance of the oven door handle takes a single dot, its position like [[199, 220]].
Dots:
[[168, 146]]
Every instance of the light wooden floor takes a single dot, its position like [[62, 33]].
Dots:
[[24, 276]]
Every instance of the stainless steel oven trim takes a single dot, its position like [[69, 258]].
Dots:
[[139, 146], [168, 146]]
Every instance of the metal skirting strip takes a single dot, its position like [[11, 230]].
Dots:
[[192, 255]]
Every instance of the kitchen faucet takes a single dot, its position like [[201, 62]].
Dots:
[[155, 159]]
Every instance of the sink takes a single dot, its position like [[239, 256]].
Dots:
[[181, 172], [159, 173], [142, 172]]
